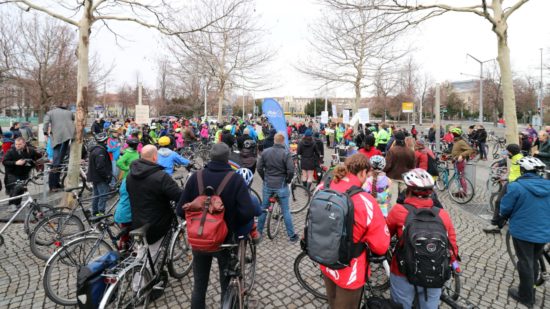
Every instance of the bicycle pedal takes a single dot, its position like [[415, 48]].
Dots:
[[159, 286]]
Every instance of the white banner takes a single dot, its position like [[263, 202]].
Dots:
[[346, 116], [364, 115], [324, 117], [334, 113], [142, 114]]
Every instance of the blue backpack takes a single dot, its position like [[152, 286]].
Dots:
[[89, 282]]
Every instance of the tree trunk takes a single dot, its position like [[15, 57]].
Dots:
[[81, 96], [508, 95], [357, 96], [220, 104]]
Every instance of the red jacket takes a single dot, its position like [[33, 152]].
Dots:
[[373, 151], [396, 220], [348, 134], [422, 158], [370, 227]]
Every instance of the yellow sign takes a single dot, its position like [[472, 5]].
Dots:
[[407, 107]]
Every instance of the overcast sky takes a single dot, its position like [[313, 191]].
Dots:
[[441, 45]]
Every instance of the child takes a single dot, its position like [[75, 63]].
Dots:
[[378, 185], [179, 138]]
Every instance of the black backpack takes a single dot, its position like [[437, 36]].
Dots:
[[423, 251], [432, 166]]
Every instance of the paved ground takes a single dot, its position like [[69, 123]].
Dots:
[[487, 271]]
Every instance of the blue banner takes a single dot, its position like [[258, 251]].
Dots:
[[275, 115]]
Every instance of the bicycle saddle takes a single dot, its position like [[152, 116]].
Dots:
[[140, 232]]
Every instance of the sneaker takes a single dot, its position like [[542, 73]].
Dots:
[[491, 229], [99, 214], [294, 238], [12, 208], [514, 294]]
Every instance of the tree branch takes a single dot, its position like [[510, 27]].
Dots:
[[46, 11], [513, 8]]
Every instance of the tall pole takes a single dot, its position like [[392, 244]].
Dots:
[[480, 86], [140, 92], [437, 117], [205, 102], [314, 108], [243, 104], [541, 95]]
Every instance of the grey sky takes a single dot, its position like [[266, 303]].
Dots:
[[441, 45]]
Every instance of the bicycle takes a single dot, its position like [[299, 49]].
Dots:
[[241, 273], [274, 216], [36, 211], [56, 229], [498, 147], [453, 184], [543, 274]]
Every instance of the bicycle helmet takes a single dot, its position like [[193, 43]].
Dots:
[[101, 137], [531, 163], [178, 129], [456, 131], [418, 179], [132, 142], [164, 141], [153, 126], [247, 175], [378, 162]]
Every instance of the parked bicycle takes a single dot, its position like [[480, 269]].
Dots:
[[459, 187], [241, 273]]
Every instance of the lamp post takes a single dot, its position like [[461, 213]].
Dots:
[[541, 95], [480, 86]]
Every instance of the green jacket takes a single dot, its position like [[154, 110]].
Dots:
[[382, 137], [123, 163], [153, 136], [544, 153], [515, 171]]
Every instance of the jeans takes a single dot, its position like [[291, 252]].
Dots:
[[284, 198], [100, 197], [402, 292], [115, 174], [202, 262], [482, 154], [59, 152], [528, 254]]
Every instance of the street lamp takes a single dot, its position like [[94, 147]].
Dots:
[[480, 86]]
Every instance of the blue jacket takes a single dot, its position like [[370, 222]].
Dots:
[[168, 158], [252, 132], [113, 146], [123, 212], [527, 204]]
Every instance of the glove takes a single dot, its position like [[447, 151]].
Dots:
[[456, 267], [500, 221]]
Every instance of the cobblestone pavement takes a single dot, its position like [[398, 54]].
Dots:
[[487, 270]]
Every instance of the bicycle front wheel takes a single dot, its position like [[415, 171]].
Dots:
[[299, 198], [60, 274], [256, 194], [441, 181], [232, 299], [452, 287], [180, 255], [51, 232], [460, 194], [274, 219], [126, 292], [247, 257], [309, 275]]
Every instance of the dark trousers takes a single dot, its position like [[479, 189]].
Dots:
[[496, 212], [13, 189], [59, 152], [528, 254], [202, 262], [339, 298], [482, 154]]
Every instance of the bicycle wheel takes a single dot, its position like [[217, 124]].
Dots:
[[125, 293], [256, 194], [247, 258], [60, 274], [35, 177], [52, 232], [231, 298], [442, 179], [452, 287], [180, 255], [309, 275], [457, 192], [379, 279], [36, 213], [274, 219], [496, 151], [299, 198], [493, 186]]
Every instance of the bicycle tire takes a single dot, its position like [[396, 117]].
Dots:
[[231, 298], [442, 179], [300, 198], [66, 274], [256, 194], [455, 182], [53, 231], [36, 213], [34, 177], [274, 219], [379, 279], [247, 258], [125, 282], [452, 287], [309, 275], [180, 264]]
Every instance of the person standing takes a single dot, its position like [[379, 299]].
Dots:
[[113, 147], [308, 152], [59, 125], [276, 168], [383, 137], [400, 159], [543, 153], [414, 132], [130, 155], [100, 172], [481, 141], [368, 148], [96, 127], [527, 206]]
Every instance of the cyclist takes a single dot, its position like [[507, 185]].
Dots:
[[239, 213], [368, 148], [399, 159], [130, 154], [460, 152], [344, 286], [527, 205], [308, 152], [167, 158], [378, 184], [418, 194]]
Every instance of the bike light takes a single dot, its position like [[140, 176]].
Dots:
[[272, 200], [57, 244], [110, 280]]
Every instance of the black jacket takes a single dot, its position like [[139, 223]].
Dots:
[[481, 136], [239, 208], [100, 168], [150, 190], [309, 152], [96, 127], [13, 156], [276, 166]]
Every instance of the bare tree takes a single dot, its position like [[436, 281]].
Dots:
[[424, 84], [155, 14], [496, 13], [230, 53], [8, 50], [385, 83]]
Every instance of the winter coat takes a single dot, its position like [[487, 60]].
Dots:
[[99, 165], [113, 147], [123, 212], [399, 160], [527, 204], [308, 152], [61, 122], [276, 166], [151, 190], [168, 158], [12, 156], [544, 153], [123, 163]]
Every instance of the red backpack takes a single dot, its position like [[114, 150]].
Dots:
[[206, 228]]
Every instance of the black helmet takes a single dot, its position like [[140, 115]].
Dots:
[[101, 137], [132, 142], [513, 149]]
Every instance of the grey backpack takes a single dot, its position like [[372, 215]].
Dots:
[[328, 234]]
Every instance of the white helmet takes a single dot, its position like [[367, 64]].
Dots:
[[418, 179], [247, 175], [531, 163]]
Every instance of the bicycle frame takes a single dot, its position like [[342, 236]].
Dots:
[[28, 202]]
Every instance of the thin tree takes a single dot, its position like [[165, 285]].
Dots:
[[154, 14]]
